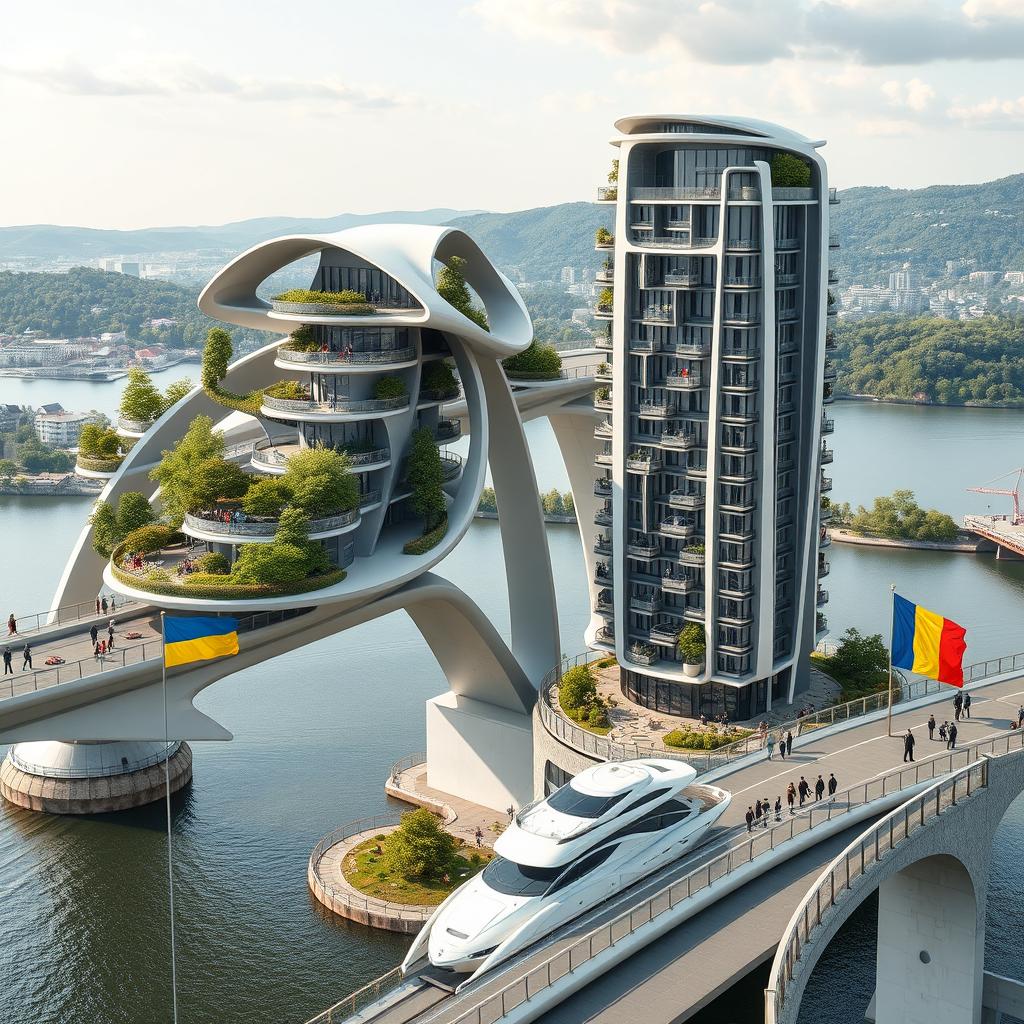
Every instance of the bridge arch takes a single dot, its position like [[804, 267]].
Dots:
[[929, 861]]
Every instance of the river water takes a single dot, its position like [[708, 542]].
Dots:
[[83, 912]]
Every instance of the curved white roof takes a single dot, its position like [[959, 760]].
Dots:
[[634, 124]]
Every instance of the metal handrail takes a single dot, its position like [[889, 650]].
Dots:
[[393, 355], [263, 526], [340, 405], [70, 613], [351, 1004], [867, 850], [133, 654], [494, 1006], [107, 771], [585, 742]]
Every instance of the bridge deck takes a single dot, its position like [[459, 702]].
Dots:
[[673, 979]]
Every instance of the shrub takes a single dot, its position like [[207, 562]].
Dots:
[[175, 393], [303, 339], [577, 688], [273, 564], [213, 563], [602, 236], [605, 298], [291, 390], [697, 739], [321, 482], [426, 477], [421, 545], [419, 847], [267, 496], [488, 502], [110, 526], [176, 470], [452, 287], [439, 377], [597, 717], [536, 362], [789, 171], [692, 643], [150, 538], [217, 354], [613, 174], [389, 387], [343, 298], [97, 442], [215, 479], [158, 575]]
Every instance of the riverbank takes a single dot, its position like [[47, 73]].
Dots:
[[548, 517], [928, 404], [964, 543], [52, 485]]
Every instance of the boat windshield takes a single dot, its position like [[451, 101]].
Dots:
[[581, 805], [512, 879]]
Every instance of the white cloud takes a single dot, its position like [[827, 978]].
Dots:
[[182, 79], [886, 127], [759, 31], [914, 94], [1002, 114]]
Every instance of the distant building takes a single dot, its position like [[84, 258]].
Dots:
[[61, 429], [986, 278], [568, 275], [1014, 277], [132, 268], [873, 298], [10, 416], [583, 316], [113, 338], [161, 321], [944, 307], [952, 266], [902, 280]]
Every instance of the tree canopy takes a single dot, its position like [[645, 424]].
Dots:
[[419, 847], [177, 468], [452, 287], [899, 517], [426, 476], [111, 525]]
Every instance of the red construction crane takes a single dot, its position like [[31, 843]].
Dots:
[[1010, 493]]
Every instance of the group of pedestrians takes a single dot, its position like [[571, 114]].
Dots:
[[26, 659], [760, 813], [101, 648], [103, 606], [785, 744]]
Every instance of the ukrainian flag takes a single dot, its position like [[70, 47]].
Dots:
[[199, 638], [927, 643]]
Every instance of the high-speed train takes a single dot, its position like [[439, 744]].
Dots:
[[608, 827]]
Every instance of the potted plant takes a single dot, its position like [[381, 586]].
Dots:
[[692, 646]]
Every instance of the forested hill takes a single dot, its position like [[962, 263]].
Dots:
[[542, 241], [86, 302], [882, 228], [969, 362]]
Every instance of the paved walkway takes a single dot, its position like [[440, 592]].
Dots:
[[634, 724], [462, 818], [77, 652]]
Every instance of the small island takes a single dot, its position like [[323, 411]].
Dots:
[[896, 520]]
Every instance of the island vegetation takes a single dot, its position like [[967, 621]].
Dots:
[[896, 517], [417, 864], [925, 359]]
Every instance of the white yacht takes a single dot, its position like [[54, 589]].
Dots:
[[610, 826]]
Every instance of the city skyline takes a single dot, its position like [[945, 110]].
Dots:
[[464, 85]]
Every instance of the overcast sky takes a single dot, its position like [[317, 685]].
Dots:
[[152, 112]]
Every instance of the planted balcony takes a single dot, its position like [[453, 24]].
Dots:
[[607, 193], [319, 303], [822, 597], [603, 399], [826, 483], [826, 455], [665, 633], [643, 653], [605, 303], [675, 583], [828, 425], [603, 516], [659, 314], [603, 431], [603, 603], [641, 460], [820, 623], [603, 239], [678, 440], [823, 568], [603, 487], [101, 450], [602, 545], [645, 602], [692, 555], [641, 547], [377, 346], [438, 382], [536, 362], [676, 526], [684, 381], [604, 373], [656, 410]]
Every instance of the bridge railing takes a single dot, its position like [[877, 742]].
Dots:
[[865, 851], [66, 614], [352, 1004], [132, 653], [569, 732], [750, 847]]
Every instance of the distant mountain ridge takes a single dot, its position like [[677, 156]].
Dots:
[[879, 229]]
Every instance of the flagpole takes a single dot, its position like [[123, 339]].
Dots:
[[892, 613], [167, 789]]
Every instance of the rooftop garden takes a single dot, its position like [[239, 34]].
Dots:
[[419, 863], [703, 738], [451, 286], [143, 402], [439, 381], [603, 237], [536, 362], [425, 477], [346, 302], [789, 171], [605, 300]]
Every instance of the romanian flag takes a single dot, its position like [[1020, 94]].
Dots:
[[198, 639], [926, 643]]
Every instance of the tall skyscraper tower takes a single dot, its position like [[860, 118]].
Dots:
[[716, 421]]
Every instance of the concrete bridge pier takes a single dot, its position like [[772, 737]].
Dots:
[[91, 778]]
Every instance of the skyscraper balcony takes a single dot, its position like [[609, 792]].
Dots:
[[643, 549], [682, 499], [338, 406], [743, 281], [784, 244], [822, 597], [678, 440], [682, 278], [656, 410], [831, 372], [603, 487], [646, 603], [684, 381], [606, 275], [603, 516], [785, 280], [675, 526], [603, 342], [823, 568], [744, 244], [691, 555], [665, 632], [674, 195], [826, 454], [603, 373], [643, 654], [826, 483], [676, 584], [607, 193], [603, 604], [827, 425]]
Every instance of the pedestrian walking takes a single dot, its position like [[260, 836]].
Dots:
[[819, 789], [97, 606], [511, 812], [803, 789], [789, 744], [750, 818], [778, 808], [958, 706], [103, 605], [758, 811], [113, 604], [26, 653], [12, 625], [931, 727], [833, 785], [770, 744], [967, 705], [782, 746], [93, 634], [96, 650], [791, 797], [110, 636], [944, 731], [766, 806], [908, 746], [951, 745], [8, 655], [479, 836]]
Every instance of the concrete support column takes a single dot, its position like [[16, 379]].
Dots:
[[931, 946]]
